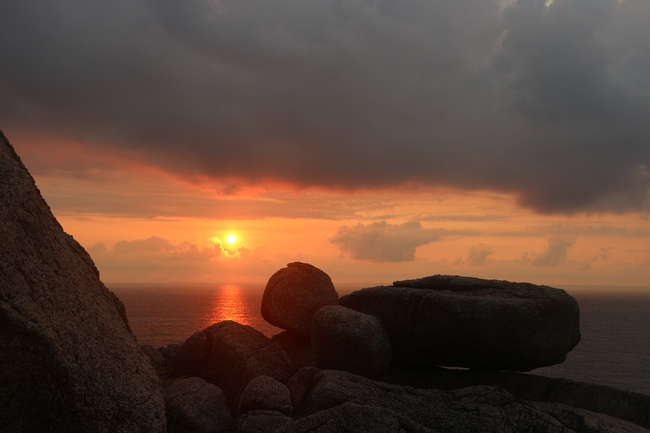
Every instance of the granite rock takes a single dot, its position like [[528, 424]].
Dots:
[[261, 421], [294, 294], [68, 359], [345, 339], [229, 355], [265, 393], [195, 406], [474, 323]]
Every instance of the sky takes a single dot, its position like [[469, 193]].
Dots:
[[376, 139]]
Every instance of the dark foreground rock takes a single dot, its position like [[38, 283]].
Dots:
[[297, 346], [345, 339], [265, 393], [294, 294], [475, 323], [261, 421], [196, 406], [625, 405], [336, 401], [229, 355], [68, 360]]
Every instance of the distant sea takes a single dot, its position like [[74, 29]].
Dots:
[[614, 322]]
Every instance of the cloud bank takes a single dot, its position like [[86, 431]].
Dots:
[[547, 102]]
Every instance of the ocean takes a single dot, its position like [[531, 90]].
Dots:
[[614, 349]]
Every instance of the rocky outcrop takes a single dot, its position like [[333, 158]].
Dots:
[[229, 355], [336, 401], [262, 421], [265, 393], [625, 405], [471, 322], [344, 339], [195, 406], [68, 360], [294, 294]]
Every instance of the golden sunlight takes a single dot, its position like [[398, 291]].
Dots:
[[232, 239]]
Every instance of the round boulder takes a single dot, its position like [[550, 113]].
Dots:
[[294, 294], [344, 339], [265, 393]]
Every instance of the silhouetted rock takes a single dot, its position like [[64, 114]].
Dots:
[[471, 322], [265, 393], [229, 355], [68, 360], [300, 384], [345, 339], [625, 405], [154, 355], [261, 421], [342, 402], [294, 294], [196, 406], [297, 346]]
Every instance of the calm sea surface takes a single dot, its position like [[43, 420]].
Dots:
[[615, 327]]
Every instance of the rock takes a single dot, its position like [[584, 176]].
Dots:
[[300, 384], [154, 355], [229, 355], [345, 339], [261, 421], [196, 406], [469, 322], [344, 398], [294, 294], [353, 418], [265, 393], [297, 346], [68, 359], [625, 405]]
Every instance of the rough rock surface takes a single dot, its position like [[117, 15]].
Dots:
[[68, 360], [294, 294], [229, 355], [196, 406], [340, 402], [261, 421], [265, 393], [345, 339], [625, 405], [475, 323]]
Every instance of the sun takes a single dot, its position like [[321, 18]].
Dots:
[[232, 239]]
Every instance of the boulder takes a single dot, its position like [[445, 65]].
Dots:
[[265, 393], [470, 322], [342, 402], [229, 355], [261, 421], [294, 294], [345, 339], [196, 406], [68, 359]]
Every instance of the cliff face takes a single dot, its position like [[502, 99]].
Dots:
[[68, 360]]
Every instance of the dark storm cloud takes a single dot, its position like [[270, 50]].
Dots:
[[550, 103]]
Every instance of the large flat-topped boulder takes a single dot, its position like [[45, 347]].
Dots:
[[68, 360], [471, 322]]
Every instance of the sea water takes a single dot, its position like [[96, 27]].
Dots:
[[614, 349]]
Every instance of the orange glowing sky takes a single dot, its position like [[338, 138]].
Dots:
[[377, 140]]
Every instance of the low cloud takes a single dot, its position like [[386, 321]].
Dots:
[[477, 256], [556, 252], [383, 242]]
